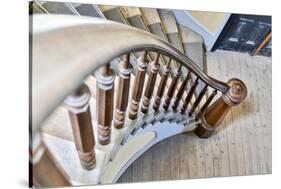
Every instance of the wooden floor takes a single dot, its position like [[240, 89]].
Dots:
[[241, 147]]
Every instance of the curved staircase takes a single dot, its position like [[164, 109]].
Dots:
[[103, 93], [161, 23]]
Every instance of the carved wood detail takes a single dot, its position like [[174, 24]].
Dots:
[[162, 85], [150, 85], [198, 99], [123, 92], [189, 96], [172, 88], [81, 124], [104, 105], [213, 116], [138, 86], [181, 91]]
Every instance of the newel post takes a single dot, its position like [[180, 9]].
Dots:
[[213, 116]]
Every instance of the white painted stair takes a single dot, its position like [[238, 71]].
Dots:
[[127, 144]]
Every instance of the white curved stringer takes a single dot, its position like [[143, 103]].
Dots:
[[127, 144]]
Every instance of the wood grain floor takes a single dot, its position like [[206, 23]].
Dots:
[[242, 145]]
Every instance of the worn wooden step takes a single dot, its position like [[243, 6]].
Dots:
[[58, 8], [189, 42], [153, 22], [113, 13], [159, 22], [193, 45], [134, 17], [194, 49], [89, 10], [171, 28]]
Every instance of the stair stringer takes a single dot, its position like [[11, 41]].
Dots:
[[162, 131]]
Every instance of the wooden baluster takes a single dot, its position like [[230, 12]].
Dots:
[[189, 96], [213, 116], [81, 123], [45, 171], [123, 92], [154, 67], [138, 86], [172, 88], [198, 100], [162, 85], [104, 103], [181, 90], [206, 104]]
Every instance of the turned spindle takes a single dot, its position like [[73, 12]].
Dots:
[[189, 96], [46, 172], [138, 86], [181, 91], [81, 124], [198, 100], [123, 92], [153, 70], [162, 85], [213, 116], [206, 104], [104, 103], [172, 89]]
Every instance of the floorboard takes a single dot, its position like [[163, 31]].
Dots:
[[242, 145]]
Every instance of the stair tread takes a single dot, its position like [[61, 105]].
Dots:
[[195, 51], [130, 11], [105, 8], [88, 10], [171, 29], [134, 18], [138, 17], [188, 35], [66, 155], [168, 20], [114, 13], [150, 15], [57, 8]]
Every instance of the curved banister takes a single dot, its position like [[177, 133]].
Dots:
[[67, 49]]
